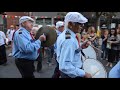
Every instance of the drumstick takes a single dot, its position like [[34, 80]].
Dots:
[[86, 58], [95, 73], [96, 48]]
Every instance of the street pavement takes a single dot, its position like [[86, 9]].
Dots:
[[10, 70]]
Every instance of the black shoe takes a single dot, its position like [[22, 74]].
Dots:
[[5, 64], [39, 71]]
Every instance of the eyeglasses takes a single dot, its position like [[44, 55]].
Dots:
[[31, 22], [77, 23], [61, 26]]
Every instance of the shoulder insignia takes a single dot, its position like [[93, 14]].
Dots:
[[20, 32], [67, 35]]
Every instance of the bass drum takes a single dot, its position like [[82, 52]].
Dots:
[[95, 68], [90, 53]]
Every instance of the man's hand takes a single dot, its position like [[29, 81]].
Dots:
[[87, 75], [42, 38], [86, 44]]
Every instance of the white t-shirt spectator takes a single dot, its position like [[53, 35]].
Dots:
[[10, 34], [2, 38]]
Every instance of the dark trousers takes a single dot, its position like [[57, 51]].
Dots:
[[48, 52], [52, 52], [117, 55], [104, 55], [3, 58], [26, 67], [9, 43], [39, 60], [56, 71], [63, 75], [111, 55]]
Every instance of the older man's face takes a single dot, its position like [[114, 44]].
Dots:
[[33, 31], [76, 27], [61, 29], [28, 25]]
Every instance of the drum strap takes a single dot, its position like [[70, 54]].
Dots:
[[83, 53], [80, 47]]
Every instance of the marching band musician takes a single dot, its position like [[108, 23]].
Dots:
[[60, 29], [3, 58], [115, 71], [68, 49], [25, 49]]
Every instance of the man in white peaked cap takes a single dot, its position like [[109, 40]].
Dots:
[[68, 48], [60, 28], [25, 48]]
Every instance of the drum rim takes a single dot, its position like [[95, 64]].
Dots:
[[100, 63], [93, 50]]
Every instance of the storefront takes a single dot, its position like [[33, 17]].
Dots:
[[48, 20], [3, 23]]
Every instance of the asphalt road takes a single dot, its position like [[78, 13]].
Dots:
[[10, 70]]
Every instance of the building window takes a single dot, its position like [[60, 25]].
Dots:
[[39, 21], [48, 21], [1, 19]]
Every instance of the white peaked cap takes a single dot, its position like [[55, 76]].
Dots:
[[25, 18], [75, 17], [59, 24]]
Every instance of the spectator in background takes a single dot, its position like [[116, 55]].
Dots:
[[104, 45], [17, 27], [39, 59], [92, 35], [3, 58], [112, 46], [118, 44], [115, 71], [9, 36]]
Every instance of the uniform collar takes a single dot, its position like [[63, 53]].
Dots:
[[12, 29], [72, 33], [24, 29], [59, 32]]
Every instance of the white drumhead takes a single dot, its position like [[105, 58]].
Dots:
[[95, 68], [89, 52]]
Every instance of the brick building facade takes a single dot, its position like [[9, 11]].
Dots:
[[12, 18]]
